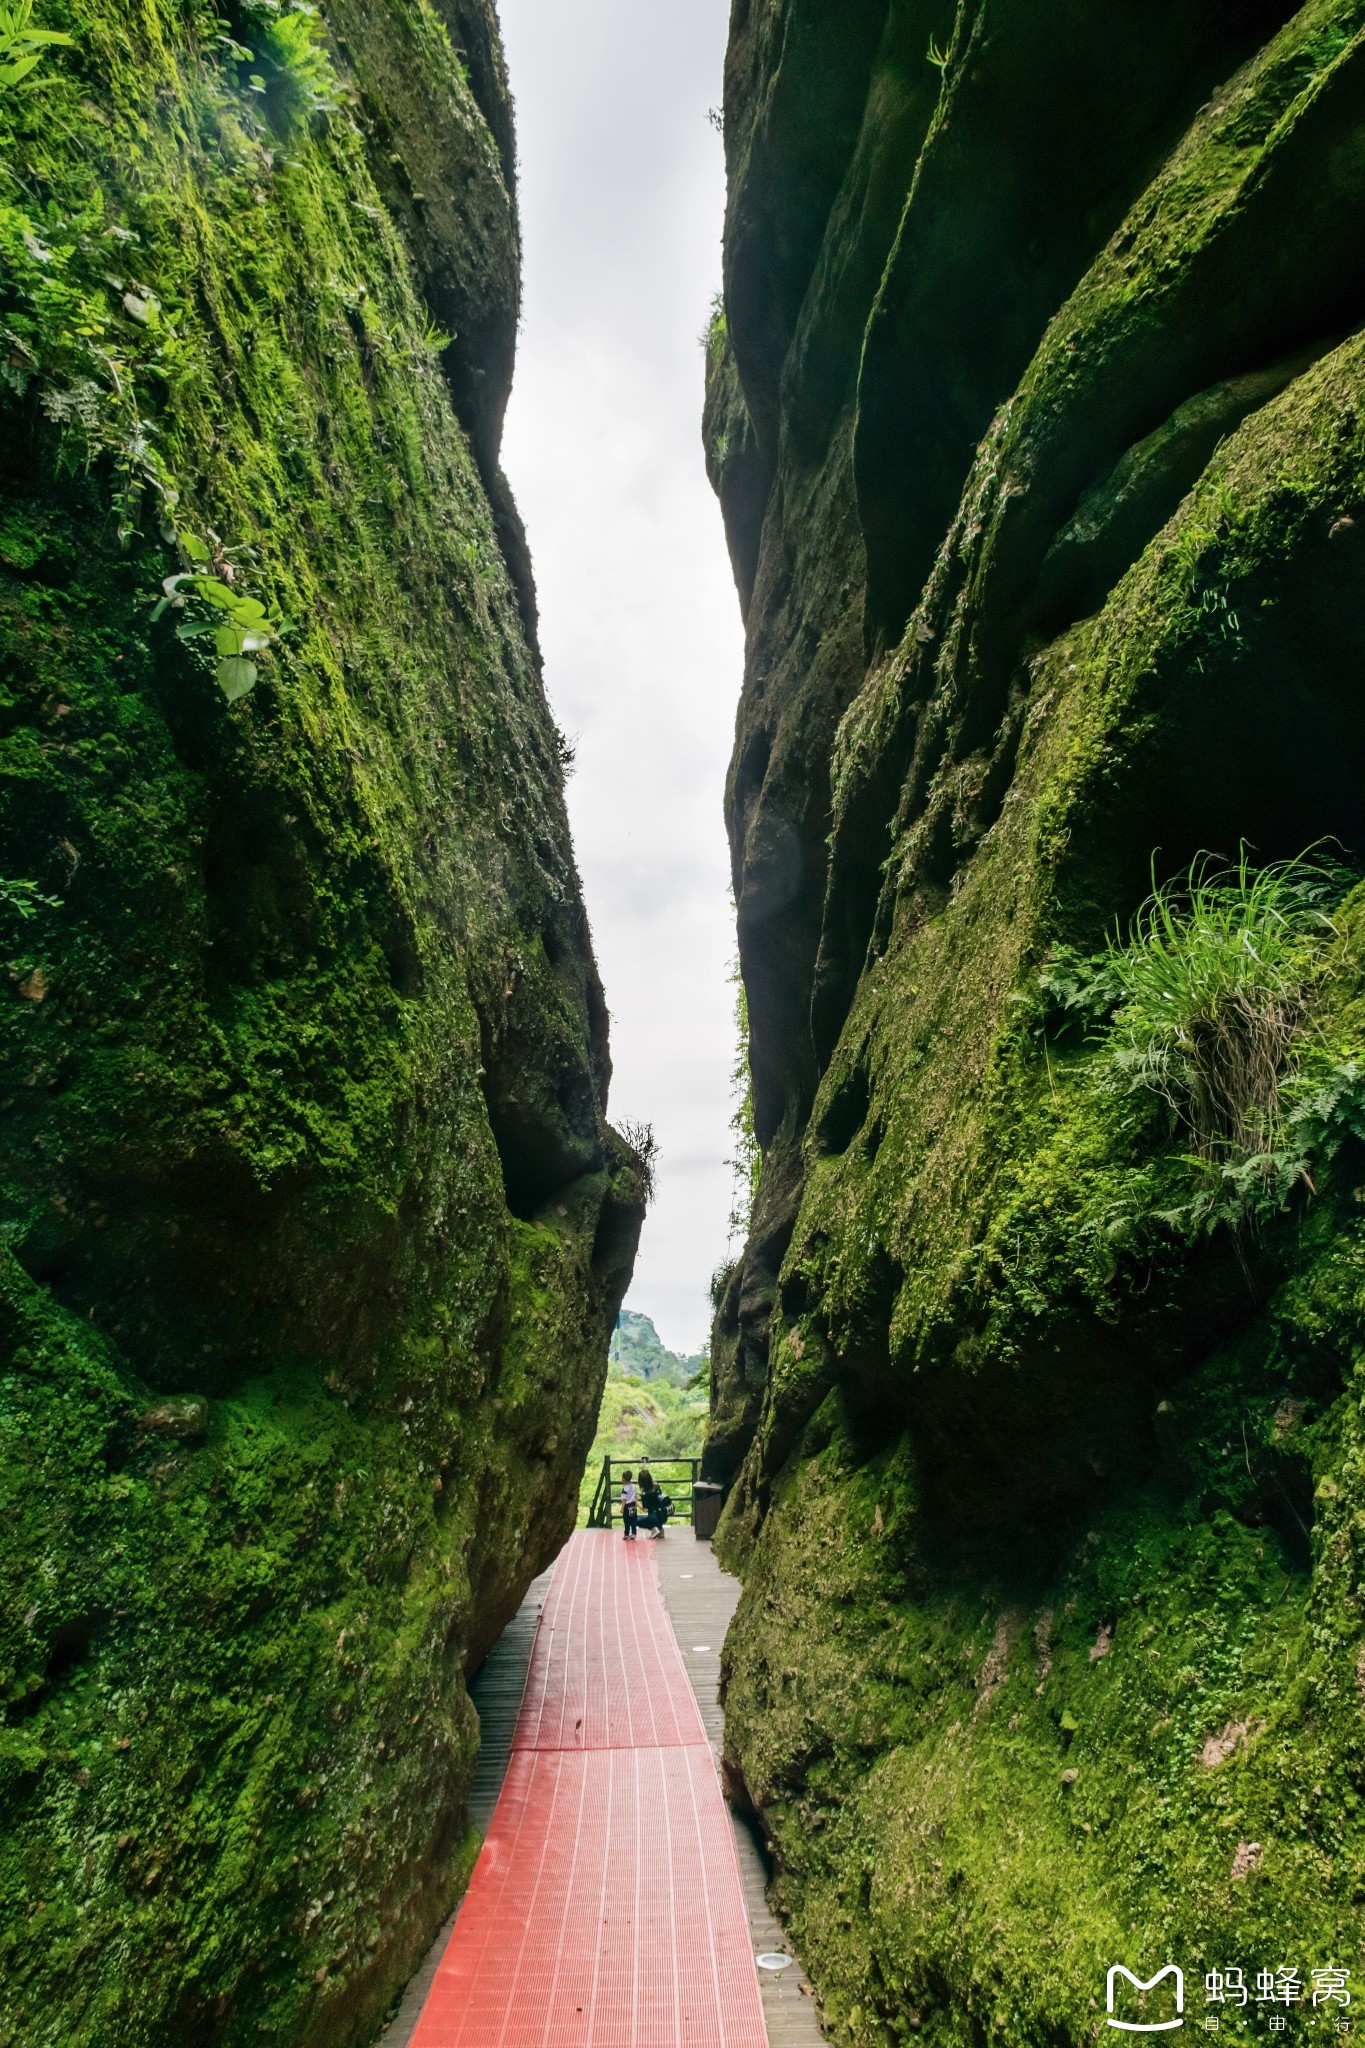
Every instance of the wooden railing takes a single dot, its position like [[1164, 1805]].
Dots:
[[675, 1476]]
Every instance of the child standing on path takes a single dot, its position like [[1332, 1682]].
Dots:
[[630, 1505]]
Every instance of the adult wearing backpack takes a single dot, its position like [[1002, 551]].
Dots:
[[652, 1502]]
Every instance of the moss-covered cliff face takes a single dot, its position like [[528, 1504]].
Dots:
[[1036, 418], [313, 1230]]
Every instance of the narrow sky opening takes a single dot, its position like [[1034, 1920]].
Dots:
[[622, 197]]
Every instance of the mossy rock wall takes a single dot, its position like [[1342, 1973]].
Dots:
[[313, 1231], [1037, 424]]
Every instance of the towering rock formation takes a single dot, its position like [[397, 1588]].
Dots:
[[1037, 415], [313, 1231]]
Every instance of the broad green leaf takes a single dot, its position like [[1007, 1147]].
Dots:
[[10, 74], [216, 592], [228, 640], [194, 547], [235, 677]]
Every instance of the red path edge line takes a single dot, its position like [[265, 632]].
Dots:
[[605, 1910]]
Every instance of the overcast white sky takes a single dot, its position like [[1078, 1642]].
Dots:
[[622, 196]]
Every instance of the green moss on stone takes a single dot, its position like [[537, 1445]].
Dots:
[[298, 1357], [1047, 1656]]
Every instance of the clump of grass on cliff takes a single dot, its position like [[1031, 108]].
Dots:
[[1216, 983], [1208, 1004]]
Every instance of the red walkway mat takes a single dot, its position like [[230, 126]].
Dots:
[[605, 1910], [605, 1670]]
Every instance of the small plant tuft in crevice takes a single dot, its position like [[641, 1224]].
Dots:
[[1208, 1004], [1215, 983], [642, 1142]]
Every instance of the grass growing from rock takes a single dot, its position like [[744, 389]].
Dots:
[[1209, 993], [1208, 1005]]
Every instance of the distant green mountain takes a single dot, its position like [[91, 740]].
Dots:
[[638, 1349]]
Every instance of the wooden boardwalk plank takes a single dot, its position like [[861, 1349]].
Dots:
[[701, 1600]]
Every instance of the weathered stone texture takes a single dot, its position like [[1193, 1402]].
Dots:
[[312, 1229], [1035, 416]]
